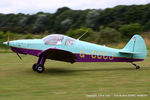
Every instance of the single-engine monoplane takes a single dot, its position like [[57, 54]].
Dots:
[[64, 48]]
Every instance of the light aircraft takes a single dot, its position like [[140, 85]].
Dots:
[[63, 48]]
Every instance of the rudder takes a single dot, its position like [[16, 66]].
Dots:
[[137, 46]]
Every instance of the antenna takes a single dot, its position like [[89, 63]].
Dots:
[[82, 35]]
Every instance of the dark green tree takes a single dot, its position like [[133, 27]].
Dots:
[[80, 31], [108, 35], [129, 30]]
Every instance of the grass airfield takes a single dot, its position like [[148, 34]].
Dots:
[[78, 81]]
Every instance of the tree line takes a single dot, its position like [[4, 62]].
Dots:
[[121, 21]]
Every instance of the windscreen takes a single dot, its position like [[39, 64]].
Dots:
[[54, 39]]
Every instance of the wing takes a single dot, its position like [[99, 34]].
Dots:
[[59, 54]]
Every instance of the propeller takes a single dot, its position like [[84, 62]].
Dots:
[[8, 39]]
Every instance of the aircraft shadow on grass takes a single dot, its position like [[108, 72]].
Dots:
[[63, 71]]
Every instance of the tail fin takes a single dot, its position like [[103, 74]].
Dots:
[[136, 46]]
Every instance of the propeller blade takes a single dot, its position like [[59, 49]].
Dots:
[[8, 39], [19, 56]]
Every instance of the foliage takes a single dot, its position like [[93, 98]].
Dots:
[[69, 20], [80, 31], [61, 10], [28, 36], [128, 20], [108, 35], [2, 35], [129, 30], [146, 27], [66, 18], [92, 18]]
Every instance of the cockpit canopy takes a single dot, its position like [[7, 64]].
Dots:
[[57, 39], [53, 39]]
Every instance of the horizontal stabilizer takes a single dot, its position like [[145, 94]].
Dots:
[[128, 52], [135, 47]]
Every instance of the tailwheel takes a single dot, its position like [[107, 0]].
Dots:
[[137, 67], [34, 67], [40, 68]]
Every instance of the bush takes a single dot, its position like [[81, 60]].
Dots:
[[2, 35], [129, 30], [146, 27], [108, 35], [28, 36]]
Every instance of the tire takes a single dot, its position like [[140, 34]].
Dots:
[[34, 67], [137, 67], [40, 68]]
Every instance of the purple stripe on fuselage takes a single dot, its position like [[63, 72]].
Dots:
[[94, 58], [86, 58], [26, 51]]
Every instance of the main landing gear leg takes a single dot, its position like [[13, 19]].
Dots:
[[39, 66], [137, 67]]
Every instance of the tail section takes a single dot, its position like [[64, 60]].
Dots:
[[136, 46]]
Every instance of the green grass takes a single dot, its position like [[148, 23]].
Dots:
[[64, 81]]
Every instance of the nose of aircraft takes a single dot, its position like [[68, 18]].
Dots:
[[5, 43], [11, 43]]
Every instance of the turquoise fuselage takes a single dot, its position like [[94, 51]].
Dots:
[[85, 51]]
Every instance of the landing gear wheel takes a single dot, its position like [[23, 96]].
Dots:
[[34, 67], [40, 68], [137, 67]]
